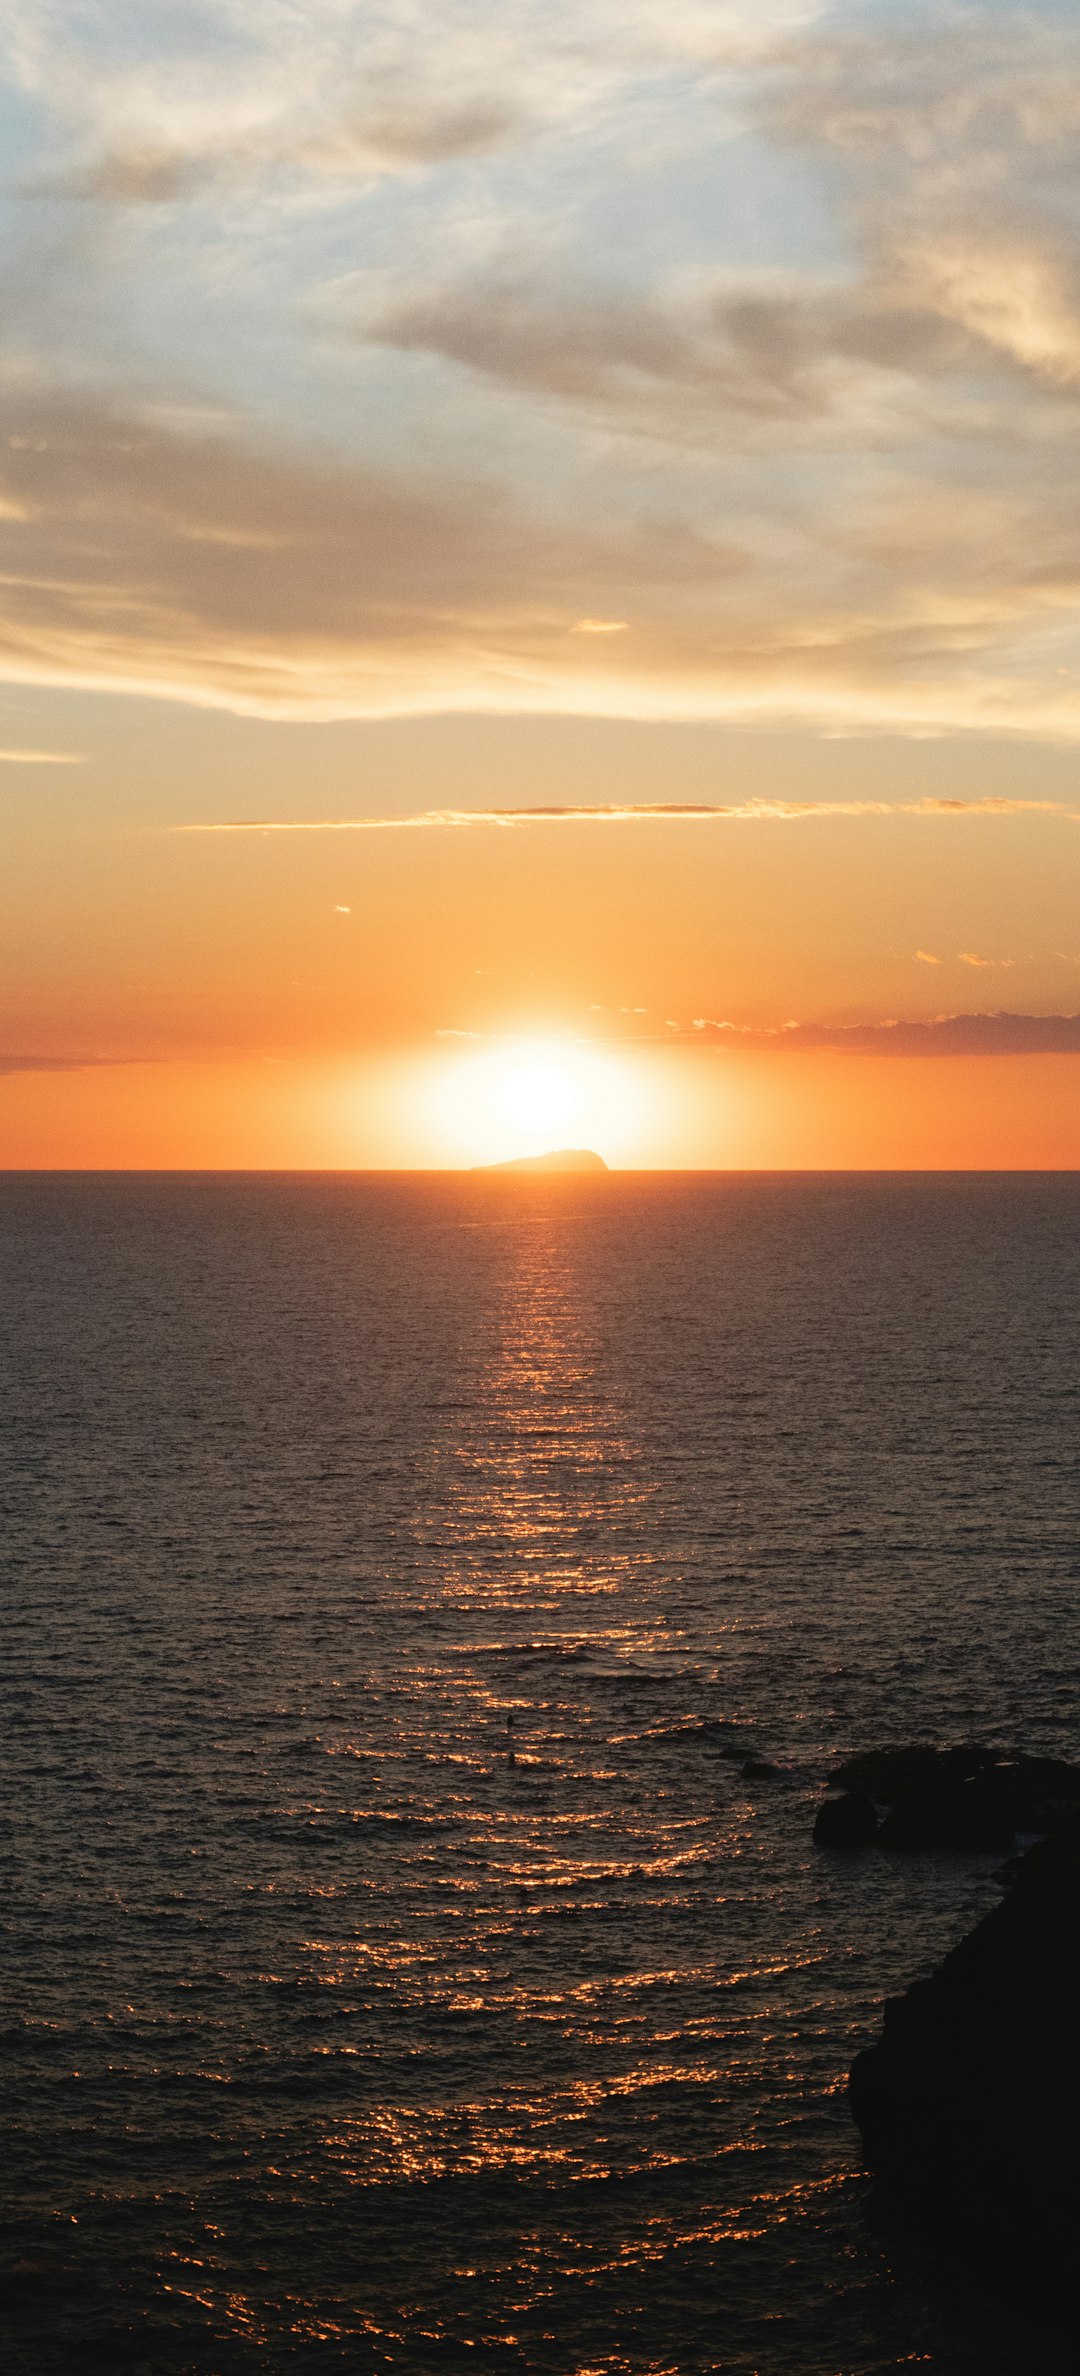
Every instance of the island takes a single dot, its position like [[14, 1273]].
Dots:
[[561, 1159]]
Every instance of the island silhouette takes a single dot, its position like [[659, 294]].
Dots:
[[560, 1159]]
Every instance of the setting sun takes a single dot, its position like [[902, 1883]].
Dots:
[[539, 1097], [527, 1096]]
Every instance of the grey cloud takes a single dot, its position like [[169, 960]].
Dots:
[[136, 554], [145, 554], [146, 106], [640, 358], [946, 1035], [949, 86], [126, 177], [59, 1064], [958, 140], [676, 362], [372, 134], [408, 130]]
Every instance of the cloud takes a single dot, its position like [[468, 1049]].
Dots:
[[1005, 293], [60, 1064], [645, 812], [154, 559], [889, 437], [958, 135], [183, 107], [575, 469], [179, 103], [946, 1035], [969, 957], [41, 758], [692, 359], [941, 92], [370, 136], [204, 564]]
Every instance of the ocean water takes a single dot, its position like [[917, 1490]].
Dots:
[[399, 1972]]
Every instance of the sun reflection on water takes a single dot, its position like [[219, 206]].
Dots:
[[543, 1477]]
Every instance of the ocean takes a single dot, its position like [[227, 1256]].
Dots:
[[400, 1972]]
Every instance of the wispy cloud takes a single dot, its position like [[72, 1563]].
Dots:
[[160, 109], [858, 508], [968, 1035], [971, 1035], [946, 1035], [645, 812], [151, 557], [15, 758], [60, 1064]]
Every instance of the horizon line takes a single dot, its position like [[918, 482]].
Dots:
[[442, 1171]]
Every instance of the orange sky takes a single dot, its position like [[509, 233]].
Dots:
[[797, 1112], [204, 998], [664, 419]]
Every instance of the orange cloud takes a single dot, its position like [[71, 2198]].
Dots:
[[946, 1035], [667, 811]]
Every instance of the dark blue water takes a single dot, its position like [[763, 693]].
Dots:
[[398, 1971]]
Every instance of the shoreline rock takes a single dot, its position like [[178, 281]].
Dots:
[[972, 1799], [969, 2102], [850, 1821]]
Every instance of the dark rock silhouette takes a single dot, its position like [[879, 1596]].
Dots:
[[847, 1822], [969, 2104], [758, 1769], [971, 1798], [561, 1159]]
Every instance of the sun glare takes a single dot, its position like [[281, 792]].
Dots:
[[528, 1097], [540, 1098]]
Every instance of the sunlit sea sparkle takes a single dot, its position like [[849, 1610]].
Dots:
[[399, 1971]]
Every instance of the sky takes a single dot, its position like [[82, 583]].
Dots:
[[540, 583]]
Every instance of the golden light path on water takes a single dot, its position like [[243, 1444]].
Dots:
[[543, 1503], [545, 1500]]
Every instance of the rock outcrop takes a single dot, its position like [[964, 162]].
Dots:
[[971, 1799], [969, 2104], [850, 1821]]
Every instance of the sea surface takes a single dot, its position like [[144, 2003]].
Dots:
[[399, 1973]]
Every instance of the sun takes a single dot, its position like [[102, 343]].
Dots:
[[510, 1097], [539, 1096]]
